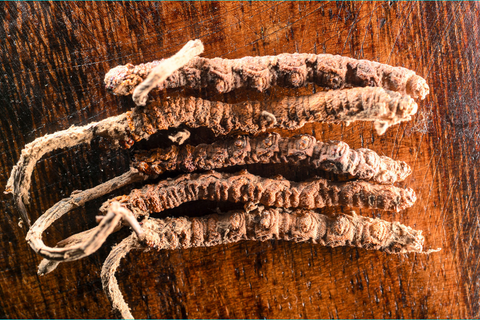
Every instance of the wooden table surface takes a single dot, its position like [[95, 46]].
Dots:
[[53, 60]]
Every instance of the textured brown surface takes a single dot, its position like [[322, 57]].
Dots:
[[263, 72], [301, 150], [256, 224], [244, 187], [53, 60], [384, 108], [262, 224]]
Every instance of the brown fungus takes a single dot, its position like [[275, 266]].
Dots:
[[335, 156], [382, 100], [383, 107], [260, 224], [279, 192], [241, 187], [286, 70]]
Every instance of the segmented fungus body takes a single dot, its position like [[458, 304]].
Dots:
[[385, 108], [382, 100], [287, 70], [305, 150], [260, 224], [241, 187], [279, 192]]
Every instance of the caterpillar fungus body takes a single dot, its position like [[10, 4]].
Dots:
[[241, 187], [279, 192], [257, 224], [275, 208], [383, 107], [304, 150], [261, 73]]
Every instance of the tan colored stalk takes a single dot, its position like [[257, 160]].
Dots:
[[259, 224], [304, 150], [286, 70]]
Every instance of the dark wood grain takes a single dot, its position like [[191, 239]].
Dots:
[[53, 60]]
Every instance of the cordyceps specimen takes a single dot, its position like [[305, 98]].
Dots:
[[277, 208], [278, 192], [241, 187], [259, 224], [384, 108], [304, 150], [288, 70]]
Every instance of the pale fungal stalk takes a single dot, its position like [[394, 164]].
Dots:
[[241, 187], [257, 224], [286, 70], [75, 247], [165, 69], [303, 150]]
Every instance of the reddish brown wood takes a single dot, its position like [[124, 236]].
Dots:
[[53, 60]]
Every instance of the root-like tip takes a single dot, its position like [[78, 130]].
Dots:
[[417, 87], [167, 67], [46, 266]]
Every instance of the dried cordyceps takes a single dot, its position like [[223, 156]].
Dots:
[[259, 224], [241, 187], [74, 247], [288, 70], [20, 178], [385, 108], [335, 156], [246, 187], [114, 128]]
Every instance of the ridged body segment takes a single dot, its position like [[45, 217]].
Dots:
[[285, 70], [384, 108], [300, 225], [244, 187], [334, 156]]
